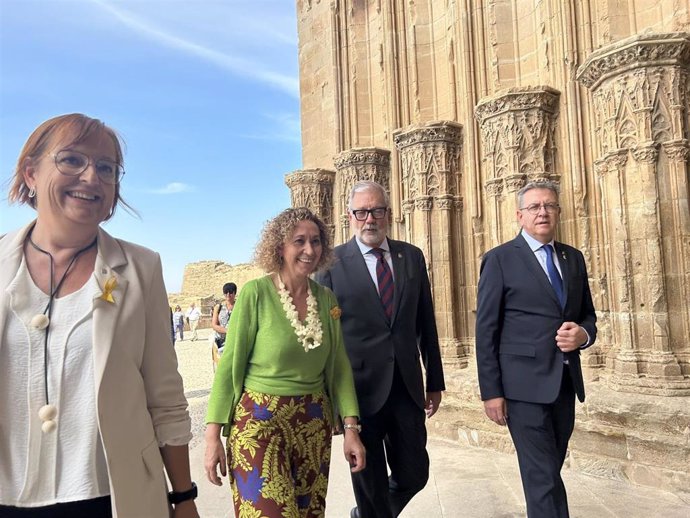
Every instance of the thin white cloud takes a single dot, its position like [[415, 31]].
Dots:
[[251, 69], [173, 188], [281, 126]]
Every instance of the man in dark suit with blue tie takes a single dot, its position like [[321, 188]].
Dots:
[[534, 315], [389, 327]]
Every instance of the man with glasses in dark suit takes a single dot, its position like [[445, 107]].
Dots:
[[388, 322], [534, 315]]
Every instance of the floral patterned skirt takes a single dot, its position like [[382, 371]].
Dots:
[[279, 453]]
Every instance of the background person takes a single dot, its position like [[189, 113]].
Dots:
[[388, 322], [172, 327], [91, 401], [193, 316], [534, 314], [178, 321], [221, 314], [283, 375]]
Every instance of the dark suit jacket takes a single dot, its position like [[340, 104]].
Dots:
[[518, 315], [373, 344]]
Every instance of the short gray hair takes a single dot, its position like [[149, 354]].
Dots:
[[368, 185], [537, 184]]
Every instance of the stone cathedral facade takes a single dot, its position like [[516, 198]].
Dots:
[[454, 105]]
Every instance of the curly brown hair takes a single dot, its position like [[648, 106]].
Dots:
[[277, 230]]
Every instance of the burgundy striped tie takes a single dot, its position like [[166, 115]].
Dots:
[[384, 276]]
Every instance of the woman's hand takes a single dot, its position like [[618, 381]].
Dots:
[[355, 454], [185, 509], [215, 455]]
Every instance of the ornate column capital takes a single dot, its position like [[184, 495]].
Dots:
[[494, 187], [430, 157], [616, 159], [642, 50], [433, 131], [357, 164], [369, 156], [424, 203], [646, 153], [313, 188], [309, 177], [515, 182], [677, 150], [518, 128], [446, 202], [543, 98]]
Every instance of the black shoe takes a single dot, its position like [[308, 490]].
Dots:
[[354, 513]]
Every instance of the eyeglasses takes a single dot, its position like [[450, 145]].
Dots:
[[550, 208], [74, 163], [363, 214]]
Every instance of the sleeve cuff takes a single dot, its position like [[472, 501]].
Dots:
[[586, 344], [177, 434]]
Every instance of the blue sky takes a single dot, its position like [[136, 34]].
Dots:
[[205, 94]]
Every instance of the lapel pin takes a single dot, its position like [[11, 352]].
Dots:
[[399, 255], [108, 289]]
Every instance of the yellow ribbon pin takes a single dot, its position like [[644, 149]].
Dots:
[[108, 289]]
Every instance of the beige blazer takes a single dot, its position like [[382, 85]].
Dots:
[[139, 393]]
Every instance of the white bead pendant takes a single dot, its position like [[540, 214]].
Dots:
[[40, 321], [47, 414], [49, 426]]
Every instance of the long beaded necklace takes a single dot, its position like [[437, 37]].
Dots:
[[47, 413]]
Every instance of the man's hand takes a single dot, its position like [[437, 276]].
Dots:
[[433, 400], [496, 410], [570, 337]]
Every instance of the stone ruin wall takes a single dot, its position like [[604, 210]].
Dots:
[[203, 281], [454, 105]]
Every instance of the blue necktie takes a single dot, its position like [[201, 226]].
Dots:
[[554, 277]]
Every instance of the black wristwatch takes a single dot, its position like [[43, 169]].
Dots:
[[177, 497]]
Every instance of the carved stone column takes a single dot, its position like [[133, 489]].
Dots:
[[313, 188], [641, 94], [430, 157], [355, 165], [517, 131]]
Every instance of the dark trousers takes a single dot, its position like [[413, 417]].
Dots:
[[397, 434], [541, 434], [94, 508]]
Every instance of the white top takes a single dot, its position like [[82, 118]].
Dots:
[[194, 313], [370, 259], [68, 464]]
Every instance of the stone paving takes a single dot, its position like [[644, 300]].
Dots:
[[464, 482]]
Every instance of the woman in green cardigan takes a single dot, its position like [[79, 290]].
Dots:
[[284, 380]]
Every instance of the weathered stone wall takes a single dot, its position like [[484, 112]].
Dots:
[[203, 281], [453, 105]]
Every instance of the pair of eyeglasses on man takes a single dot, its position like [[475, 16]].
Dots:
[[74, 163], [536, 207], [363, 214]]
